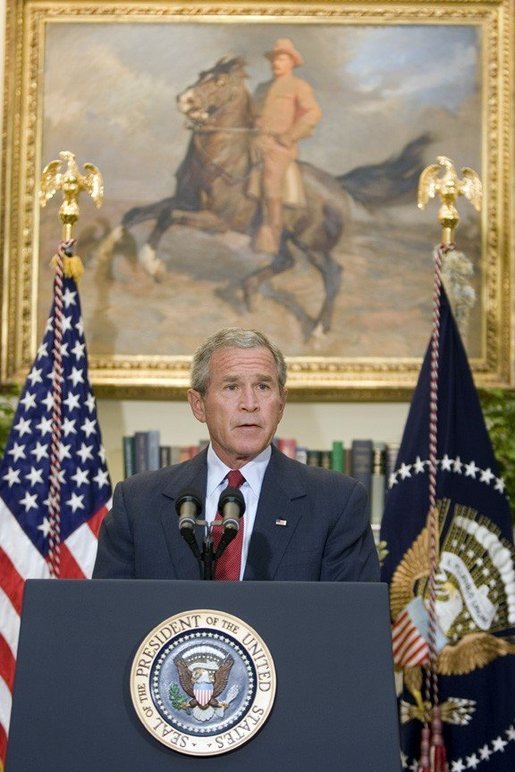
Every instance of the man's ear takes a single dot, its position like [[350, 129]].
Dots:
[[197, 405], [284, 396]]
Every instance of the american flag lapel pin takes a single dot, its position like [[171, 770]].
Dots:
[[280, 521]]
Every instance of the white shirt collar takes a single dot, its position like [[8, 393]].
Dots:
[[253, 471]]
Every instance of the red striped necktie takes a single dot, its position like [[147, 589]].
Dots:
[[228, 565]]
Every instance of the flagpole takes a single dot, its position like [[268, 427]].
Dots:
[[71, 183], [448, 187]]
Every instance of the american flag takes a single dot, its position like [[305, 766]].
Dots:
[[36, 541]]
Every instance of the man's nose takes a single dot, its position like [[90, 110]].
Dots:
[[249, 400]]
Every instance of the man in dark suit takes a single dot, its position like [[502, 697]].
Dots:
[[301, 523]]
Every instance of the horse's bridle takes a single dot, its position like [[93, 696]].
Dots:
[[217, 111], [204, 129]]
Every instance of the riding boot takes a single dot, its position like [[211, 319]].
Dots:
[[268, 236]]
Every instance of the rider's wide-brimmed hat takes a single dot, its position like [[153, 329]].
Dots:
[[285, 46]]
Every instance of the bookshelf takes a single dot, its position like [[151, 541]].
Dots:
[[313, 424]]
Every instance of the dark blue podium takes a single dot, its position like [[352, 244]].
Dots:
[[334, 709]]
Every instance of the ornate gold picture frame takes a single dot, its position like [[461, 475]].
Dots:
[[397, 84]]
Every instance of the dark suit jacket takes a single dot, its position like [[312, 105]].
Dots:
[[327, 536]]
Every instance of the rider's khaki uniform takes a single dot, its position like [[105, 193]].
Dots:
[[286, 111]]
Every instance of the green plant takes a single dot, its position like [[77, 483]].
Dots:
[[7, 411], [499, 412]]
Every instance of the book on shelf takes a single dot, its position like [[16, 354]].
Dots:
[[141, 451], [153, 450], [313, 457], [377, 484], [326, 459], [361, 465], [187, 451], [175, 454], [302, 454], [129, 458], [288, 446], [165, 456], [391, 453], [338, 456]]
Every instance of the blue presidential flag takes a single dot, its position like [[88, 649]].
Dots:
[[475, 580], [49, 528]]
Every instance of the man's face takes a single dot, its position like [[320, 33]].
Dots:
[[243, 403], [282, 64]]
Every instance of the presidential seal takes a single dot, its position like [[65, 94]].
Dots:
[[203, 682]]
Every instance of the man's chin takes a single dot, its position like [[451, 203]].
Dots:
[[248, 450]]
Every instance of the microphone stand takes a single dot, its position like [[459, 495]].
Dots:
[[189, 501], [207, 556]]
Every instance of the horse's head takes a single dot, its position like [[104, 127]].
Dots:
[[214, 90]]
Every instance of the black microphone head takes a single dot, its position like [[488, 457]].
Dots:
[[231, 496], [191, 498]]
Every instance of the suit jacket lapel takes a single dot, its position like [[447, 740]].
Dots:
[[278, 502], [191, 476]]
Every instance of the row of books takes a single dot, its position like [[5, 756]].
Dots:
[[143, 452], [367, 461]]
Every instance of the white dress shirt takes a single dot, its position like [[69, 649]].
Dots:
[[253, 473]]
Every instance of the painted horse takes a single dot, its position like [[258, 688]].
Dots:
[[212, 181]]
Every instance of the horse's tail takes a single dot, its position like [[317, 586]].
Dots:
[[392, 182]]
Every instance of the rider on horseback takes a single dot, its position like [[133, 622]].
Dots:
[[286, 111]]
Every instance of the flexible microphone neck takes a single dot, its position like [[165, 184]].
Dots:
[[188, 507], [231, 505]]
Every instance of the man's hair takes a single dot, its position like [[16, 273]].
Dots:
[[232, 337]]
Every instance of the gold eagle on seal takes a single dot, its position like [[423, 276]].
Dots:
[[475, 604], [218, 678]]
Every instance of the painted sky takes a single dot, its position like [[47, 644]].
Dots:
[[110, 91]]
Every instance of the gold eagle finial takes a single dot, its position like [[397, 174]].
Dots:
[[71, 183], [448, 187]]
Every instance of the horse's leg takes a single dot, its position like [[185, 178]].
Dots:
[[331, 273], [148, 258], [282, 261], [203, 220]]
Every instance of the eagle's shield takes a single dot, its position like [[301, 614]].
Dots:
[[203, 693]]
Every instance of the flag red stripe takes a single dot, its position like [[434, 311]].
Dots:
[[70, 569], [417, 653], [408, 644], [400, 625], [10, 581], [3, 746], [411, 653], [400, 640], [95, 521], [7, 663]]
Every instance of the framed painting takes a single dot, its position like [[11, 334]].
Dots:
[[162, 97]]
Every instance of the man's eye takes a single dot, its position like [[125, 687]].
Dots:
[[264, 386]]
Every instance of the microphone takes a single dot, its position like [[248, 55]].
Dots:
[[188, 506], [231, 506]]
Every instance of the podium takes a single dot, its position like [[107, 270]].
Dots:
[[334, 707]]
